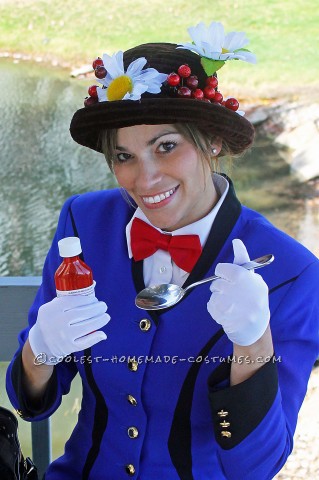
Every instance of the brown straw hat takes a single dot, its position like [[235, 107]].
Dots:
[[165, 107]]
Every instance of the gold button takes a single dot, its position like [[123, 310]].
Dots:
[[145, 324], [132, 432], [221, 413], [225, 433], [225, 424], [132, 365], [22, 415], [132, 400], [130, 469]]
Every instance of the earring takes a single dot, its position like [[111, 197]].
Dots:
[[214, 150]]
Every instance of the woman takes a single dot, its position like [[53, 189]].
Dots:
[[207, 389]]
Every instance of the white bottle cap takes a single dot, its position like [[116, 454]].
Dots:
[[69, 247]]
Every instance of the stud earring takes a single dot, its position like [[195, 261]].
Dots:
[[214, 150]]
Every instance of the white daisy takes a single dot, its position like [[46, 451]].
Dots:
[[211, 42], [129, 85]]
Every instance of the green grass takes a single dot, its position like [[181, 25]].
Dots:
[[283, 34]]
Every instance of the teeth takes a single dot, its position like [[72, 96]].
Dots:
[[159, 198]]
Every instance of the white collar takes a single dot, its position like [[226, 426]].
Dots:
[[201, 227]]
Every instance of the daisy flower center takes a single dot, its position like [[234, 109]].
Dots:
[[119, 87]]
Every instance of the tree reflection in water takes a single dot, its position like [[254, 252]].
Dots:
[[41, 166]]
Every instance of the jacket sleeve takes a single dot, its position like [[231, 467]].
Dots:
[[64, 372], [254, 422]]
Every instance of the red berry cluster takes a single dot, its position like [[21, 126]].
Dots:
[[185, 85], [100, 72]]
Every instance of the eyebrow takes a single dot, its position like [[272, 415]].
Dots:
[[150, 142]]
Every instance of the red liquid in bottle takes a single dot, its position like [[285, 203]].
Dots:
[[73, 276]]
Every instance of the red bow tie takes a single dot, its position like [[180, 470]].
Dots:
[[146, 240]]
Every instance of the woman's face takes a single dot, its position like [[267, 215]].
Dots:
[[165, 175]]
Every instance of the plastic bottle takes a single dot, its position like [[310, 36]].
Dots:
[[73, 277]]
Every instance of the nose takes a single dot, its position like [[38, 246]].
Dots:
[[148, 175]]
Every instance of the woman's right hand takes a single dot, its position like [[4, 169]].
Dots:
[[65, 325]]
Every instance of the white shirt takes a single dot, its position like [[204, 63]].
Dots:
[[159, 267]]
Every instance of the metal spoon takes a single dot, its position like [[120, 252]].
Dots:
[[165, 295]]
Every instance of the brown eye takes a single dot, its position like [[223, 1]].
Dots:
[[166, 147], [122, 157]]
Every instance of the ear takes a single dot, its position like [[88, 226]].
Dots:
[[216, 146]]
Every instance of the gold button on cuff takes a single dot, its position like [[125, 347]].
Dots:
[[225, 433], [221, 413], [132, 432], [132, 400], [22, 415], [145, 324], [130, 469], [224, 424], [132, 365]]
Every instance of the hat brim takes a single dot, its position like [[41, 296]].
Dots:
[[88, 123]]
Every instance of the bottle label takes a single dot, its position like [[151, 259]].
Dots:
[[80, 291]]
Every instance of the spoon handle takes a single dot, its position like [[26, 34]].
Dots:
[[251, 265]]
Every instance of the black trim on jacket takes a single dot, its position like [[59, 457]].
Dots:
[[180, 441], [101, 411], [101, 414], [242, 406], [180, 437], [27, 410]]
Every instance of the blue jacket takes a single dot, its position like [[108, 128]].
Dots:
[[156, 396]]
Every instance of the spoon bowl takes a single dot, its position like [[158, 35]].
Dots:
[[157, 297]]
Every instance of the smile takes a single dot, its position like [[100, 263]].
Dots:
[[160, 197]]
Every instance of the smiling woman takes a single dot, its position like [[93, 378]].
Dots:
[[194, 391], [157, 165]]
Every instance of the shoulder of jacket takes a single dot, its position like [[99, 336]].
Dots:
[[263, 237]]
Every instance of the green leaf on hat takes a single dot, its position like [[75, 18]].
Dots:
[[242, 50], [211, 66]]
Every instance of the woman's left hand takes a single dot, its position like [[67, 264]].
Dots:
[[239, 300]]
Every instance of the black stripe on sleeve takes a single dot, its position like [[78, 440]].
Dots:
[[27, 409]]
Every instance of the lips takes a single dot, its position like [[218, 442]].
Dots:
[[159, 197]]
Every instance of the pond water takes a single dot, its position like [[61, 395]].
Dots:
[[41, 166]]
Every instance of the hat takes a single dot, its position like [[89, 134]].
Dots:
[[178, 85]]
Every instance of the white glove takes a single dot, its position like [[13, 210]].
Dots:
[[239, 302], [67, 324]]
